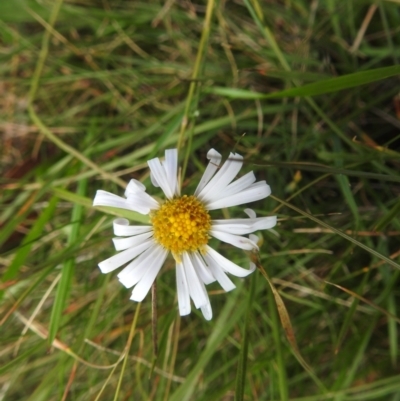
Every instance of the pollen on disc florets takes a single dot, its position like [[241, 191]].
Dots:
[[181, 225]]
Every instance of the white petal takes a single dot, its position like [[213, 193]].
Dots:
[[224, 176], [171, 169], [224, 281], [143, 286], [235, 240], [251, 213], [244, 226], [123, 257], [227, 265], [257, 191], [235, 187], [140, 202], [153, 180], [134, 272], [104, 198], [137, 197], [128, 242], [160, 176], [207, 311], [201, 268], [215, 160], [134, 186], [182, 290], [123, 229], [196, 287], [254, 238]]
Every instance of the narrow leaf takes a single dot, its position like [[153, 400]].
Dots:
[[320, 168], [242, 364], [341, 233], [64, 285], [288, 328], [27, 243], [361, 298], [316, 88], [393, 213]]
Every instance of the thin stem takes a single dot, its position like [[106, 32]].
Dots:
[[127, 348], [31, 97], [154, 318], [341, 233], [190, 104]]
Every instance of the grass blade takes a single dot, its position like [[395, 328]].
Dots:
[[27, 243], [314, 89], [342, 234], [361, 298], [64, 285], [230, 314], [242, 363], [288, 328]]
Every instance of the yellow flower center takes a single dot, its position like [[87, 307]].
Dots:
[[181, 224]]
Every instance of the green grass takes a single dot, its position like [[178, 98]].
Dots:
[[307, 92]]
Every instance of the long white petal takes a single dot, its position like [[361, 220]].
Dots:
[[171, 169], [133, 272], [160, 176], [143, 286], [224, 281], [214, 160], [104, 198], [128, 242], [227, 265], [182, 290], [207, 311], [136, 195], [123, 257], [123, 229], [244, 226], [202, 269], [196, 287], [140, 202], [235, 240], [225, 175], [257, 191], [133, 187], [233, 188]]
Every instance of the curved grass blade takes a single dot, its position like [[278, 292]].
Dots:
[[316, 88], [288, 328], [320, 168], [341, 233], [242, 365], [361, 298]]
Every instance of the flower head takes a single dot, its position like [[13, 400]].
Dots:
[[182, 226]]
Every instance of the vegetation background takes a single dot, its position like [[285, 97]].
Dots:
[[307, 91]]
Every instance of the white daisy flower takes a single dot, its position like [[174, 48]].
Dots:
[[182, 226]]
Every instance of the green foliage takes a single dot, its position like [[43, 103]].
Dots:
[[307, 92]]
